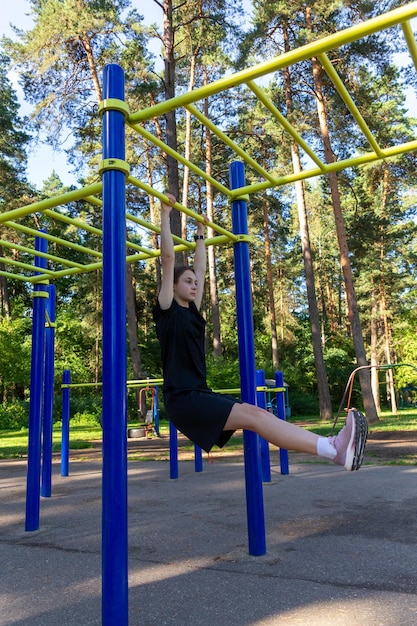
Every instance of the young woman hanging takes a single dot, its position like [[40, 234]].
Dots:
[[205, 417]]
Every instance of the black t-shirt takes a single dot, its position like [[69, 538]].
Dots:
[[181, 331]]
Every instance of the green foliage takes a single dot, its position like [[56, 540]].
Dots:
[[66, 51], [302, 403], [222, 373], [59, 76], [85, 405], [15, 342], [405, 339], [12, 139], [339, 366], [14, 415]]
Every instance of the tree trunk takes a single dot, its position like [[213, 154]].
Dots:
[[387, 352], [281, 299], [132, 324], [98, 321], [353, 312], [187, 152], [154, 235], [374, 354], [214, 298], [272, 312], [214, 294], [93, 67], [4, 292], [130, 296], [383, 303], [322, 381], [171, 125]]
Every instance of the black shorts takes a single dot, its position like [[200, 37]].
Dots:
[[200, 414]]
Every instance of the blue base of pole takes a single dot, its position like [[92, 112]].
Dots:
[[283, 453], [198, 459], [173, 451]]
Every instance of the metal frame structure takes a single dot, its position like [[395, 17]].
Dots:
[[400, 18], [110, 256]]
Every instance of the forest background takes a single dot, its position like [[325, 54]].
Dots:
[[324, 301]]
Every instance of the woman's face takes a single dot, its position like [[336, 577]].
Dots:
[[186, 288]]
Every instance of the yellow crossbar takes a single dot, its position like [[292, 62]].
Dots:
[[411, 42], [344, 94], [73, 222], [49, 203], [24, 266], [44, 255], [178, 157], [312, 49], [246, 79], [63, 242], [260, 94], [226, 140]]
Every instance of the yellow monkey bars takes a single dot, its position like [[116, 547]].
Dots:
[[15, 221]]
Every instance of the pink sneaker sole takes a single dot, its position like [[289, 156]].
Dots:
[[356, 448], [350, 451]]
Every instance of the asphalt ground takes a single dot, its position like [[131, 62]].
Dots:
[[341, 547]]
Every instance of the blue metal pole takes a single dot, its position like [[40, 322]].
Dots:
[[48, 394], [253, 475], [66, 394], [283, 453], [40, 294], [198, 459], [264, 445], [114, 515], [173, 451], [156, 411]]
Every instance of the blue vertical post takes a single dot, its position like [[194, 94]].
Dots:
[[40, 295], [283, 453], [198, 459], [173, 451], [253, 475], [156, 412], [264, 445], [48, 394], [66, 393], [114, 513]]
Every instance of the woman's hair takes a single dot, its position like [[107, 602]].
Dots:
[[179, 270]]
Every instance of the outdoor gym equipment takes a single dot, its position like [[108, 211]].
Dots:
[[111, 258]]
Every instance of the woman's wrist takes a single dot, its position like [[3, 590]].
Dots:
[[198, 236]]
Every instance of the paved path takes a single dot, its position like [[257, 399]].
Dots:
[[341, 548]]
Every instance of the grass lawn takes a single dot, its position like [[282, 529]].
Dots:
[[13, 444]]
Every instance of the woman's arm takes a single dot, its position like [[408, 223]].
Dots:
[[166, 293], [200, 262]]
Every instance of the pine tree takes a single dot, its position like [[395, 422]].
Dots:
[[272, 25], [60, 62], [13, 184]]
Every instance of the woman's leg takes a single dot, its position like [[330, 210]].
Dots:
[[267, 425], [346, 448]]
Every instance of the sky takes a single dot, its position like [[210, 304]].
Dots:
[[43, 161]]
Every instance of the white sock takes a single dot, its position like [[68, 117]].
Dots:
[[325, 448]]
